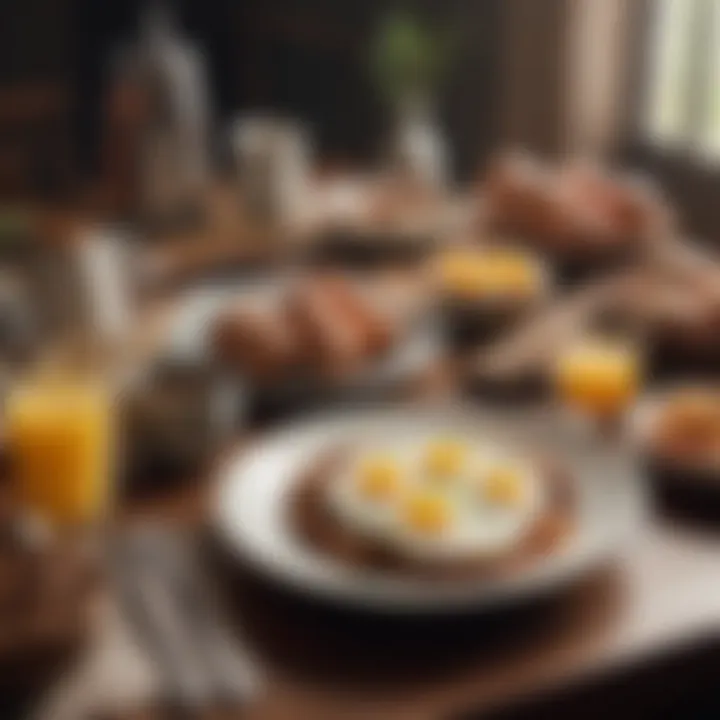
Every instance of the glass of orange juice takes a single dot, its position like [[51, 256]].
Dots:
[[61, 442], [599, 376]]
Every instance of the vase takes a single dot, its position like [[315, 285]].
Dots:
[[418, 151]]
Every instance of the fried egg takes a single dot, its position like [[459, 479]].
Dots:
[[443, 499], [366, 493]]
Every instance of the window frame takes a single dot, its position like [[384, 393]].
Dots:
[[690, 180]]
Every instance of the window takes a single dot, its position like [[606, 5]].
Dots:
[[682, 109]]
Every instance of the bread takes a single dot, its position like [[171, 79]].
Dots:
[[259, 342], [375, 328], [328, 340]]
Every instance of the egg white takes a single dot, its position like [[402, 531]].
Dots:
[[478, 528], [359, 513]]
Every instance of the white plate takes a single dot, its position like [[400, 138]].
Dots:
[[250, 508], [188, 339]]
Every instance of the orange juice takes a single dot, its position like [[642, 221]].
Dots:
[[600, 377], [60, 438]]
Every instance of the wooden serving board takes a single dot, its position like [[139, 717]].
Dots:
[[520, 363], [521, 360]]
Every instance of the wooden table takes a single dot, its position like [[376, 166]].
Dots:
[[642, 635], [633, 639], [603, 641]]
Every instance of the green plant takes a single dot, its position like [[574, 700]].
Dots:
[[407, 57]]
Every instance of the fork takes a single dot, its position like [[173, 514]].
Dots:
[[151, 610], [230, 675]]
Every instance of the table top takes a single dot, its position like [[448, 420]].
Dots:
[[661, 601]]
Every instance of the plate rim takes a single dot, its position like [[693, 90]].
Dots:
[[460, 598]]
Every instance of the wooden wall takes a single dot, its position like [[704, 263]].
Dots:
[[35, 97], [309, 58], [305, 57]]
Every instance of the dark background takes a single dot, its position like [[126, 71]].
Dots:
[[303, 57]]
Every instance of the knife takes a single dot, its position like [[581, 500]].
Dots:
[[147, 599]]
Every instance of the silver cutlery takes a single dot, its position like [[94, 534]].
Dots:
[[147, 602], [233, 674], [174, 605]]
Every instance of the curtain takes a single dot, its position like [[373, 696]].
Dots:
[[565, 79]]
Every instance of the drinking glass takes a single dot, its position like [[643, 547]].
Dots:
[[61, 440]]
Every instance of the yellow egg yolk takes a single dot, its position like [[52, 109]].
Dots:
[[380, 478], [503, 486], [473, 274], [512, 272], [444, 458], [427, 513]]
